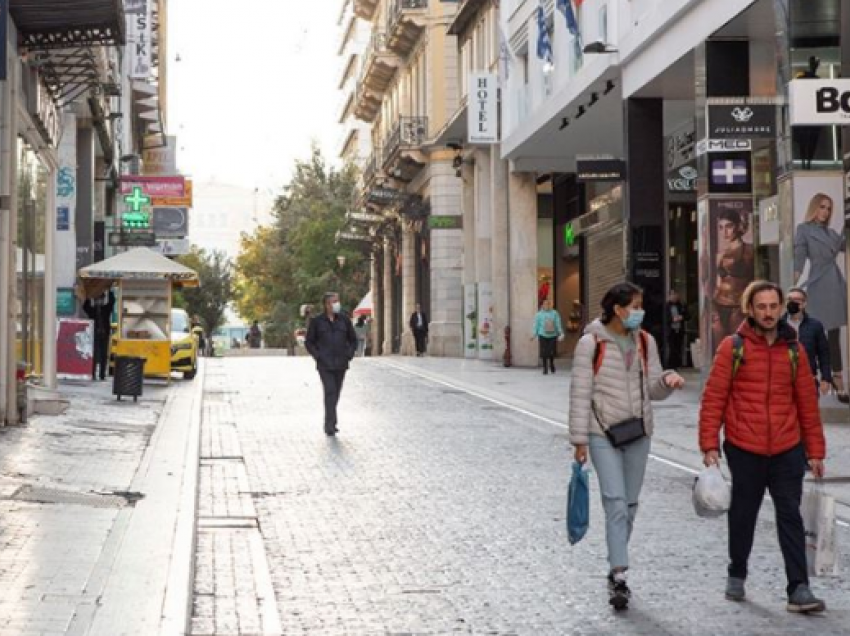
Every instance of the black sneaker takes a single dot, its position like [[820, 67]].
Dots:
[[618, 591], [802, 601]]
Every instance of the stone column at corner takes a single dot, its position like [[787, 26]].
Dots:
[[499, 251], [409, 299], [523, 266], [445, 330], [387, 301], [377, 304]]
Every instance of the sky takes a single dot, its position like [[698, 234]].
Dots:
[[256, 84]]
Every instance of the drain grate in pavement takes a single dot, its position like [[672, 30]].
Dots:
[[37, 494]]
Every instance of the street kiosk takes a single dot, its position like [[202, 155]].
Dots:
[[145, 281]]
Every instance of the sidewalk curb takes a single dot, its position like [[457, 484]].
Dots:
[[150, 591]]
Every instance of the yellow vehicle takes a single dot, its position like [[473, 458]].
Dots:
[[184, 344]]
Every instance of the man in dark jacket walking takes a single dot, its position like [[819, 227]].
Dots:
[[419, 327], [759, 392], [811, 334], [100, 310], [332, 341]]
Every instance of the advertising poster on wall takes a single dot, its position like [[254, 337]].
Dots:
[[731, 264], [485, 321], [819, 247], [470, 320], [75, 348]]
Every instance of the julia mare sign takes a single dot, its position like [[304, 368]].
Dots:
[[815, 102]]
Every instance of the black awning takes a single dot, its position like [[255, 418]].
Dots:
[[51, 24]]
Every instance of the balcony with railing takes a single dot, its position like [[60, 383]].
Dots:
[[406, 21], [372, 168], [377, 72], [402, 151]]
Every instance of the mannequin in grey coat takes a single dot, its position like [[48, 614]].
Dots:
[[820, 245]]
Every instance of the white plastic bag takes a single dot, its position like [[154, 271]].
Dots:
[[712, 495], [818, 510]]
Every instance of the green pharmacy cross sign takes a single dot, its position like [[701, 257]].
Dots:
[[136, 218], [569, 235]]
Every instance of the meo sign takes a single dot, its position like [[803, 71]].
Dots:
[[820, 102]]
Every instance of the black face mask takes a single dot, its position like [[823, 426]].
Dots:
[[793, 307]]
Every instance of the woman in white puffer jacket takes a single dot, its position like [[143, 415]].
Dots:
[[616, 374]]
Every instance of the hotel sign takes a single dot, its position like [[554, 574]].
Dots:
[[483, 117]]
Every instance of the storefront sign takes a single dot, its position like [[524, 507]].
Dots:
[[742, 121], [445, 222], [186, 201], [683, 180], [132, 239], [483, 119], [66, 301], [816, 102], [173, 247], [730, 173], [365, 217], [600, 170], [170, 187], [385, 196], [704, 146], [139, 44], [75, 348], [171, 222], [161, 160], [681, 147]]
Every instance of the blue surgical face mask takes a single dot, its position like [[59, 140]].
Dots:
[[635, 319]]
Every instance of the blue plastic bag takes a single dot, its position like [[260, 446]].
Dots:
[[578, 504]]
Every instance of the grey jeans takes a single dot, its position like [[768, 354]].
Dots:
[[620, 472]]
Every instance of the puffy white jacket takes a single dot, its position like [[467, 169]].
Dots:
[[614, 390]]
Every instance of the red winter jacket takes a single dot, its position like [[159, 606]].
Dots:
[[762, 409]]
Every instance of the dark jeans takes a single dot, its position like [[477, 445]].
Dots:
[[781, 475], [100, 363], [547, 351], [421, 338], [332, 381], [675, 342]]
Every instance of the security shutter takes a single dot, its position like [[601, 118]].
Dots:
[[605, 265]]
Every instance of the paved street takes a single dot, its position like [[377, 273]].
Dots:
[[439, 509]]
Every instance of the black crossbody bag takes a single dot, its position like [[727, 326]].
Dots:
[[630, 430]]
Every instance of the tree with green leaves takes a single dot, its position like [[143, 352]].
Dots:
[[209, 300], [295, 260]]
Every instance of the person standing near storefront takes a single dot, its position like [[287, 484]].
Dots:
[[759, 392], [811, 335], [820, 246], [419, 327], [332, 342], [616, 374], [548, 331], [99, 310], [676, 320]]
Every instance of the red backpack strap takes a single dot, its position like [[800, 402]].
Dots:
[[643, 338], [598, 354]]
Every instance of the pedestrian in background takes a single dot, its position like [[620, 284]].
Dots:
[[419, 326], [361, 327], [548, 330], [255, 336], [812, 336], [677, 318], [332, 342], [759, 392], [616, 373], [99, 310]]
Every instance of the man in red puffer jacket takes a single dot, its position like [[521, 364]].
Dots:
[[760, 393]]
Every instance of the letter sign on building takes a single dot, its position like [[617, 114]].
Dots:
[[820, 102], [483, 117]]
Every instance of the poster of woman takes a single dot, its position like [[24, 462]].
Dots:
[[819, 247], [733, 264]]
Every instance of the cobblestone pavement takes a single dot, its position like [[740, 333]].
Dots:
[[59, 524], [436, 511]]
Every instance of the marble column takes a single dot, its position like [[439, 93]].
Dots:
[[522, 199], [445, 329], [409, 299], [483, 242], [499, 251], [387, 300], [377, 304]]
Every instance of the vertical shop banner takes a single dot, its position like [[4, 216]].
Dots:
[[139, 44], [66, 204], [75, 348], [731, 266], [819, 264], [470, 320], [485, 321], [483, 119]]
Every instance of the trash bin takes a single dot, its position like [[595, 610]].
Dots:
[[129, 377]]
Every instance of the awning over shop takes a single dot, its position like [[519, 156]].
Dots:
[[137, 264], [50, 24]]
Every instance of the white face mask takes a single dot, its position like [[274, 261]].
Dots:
[[337, 307]]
